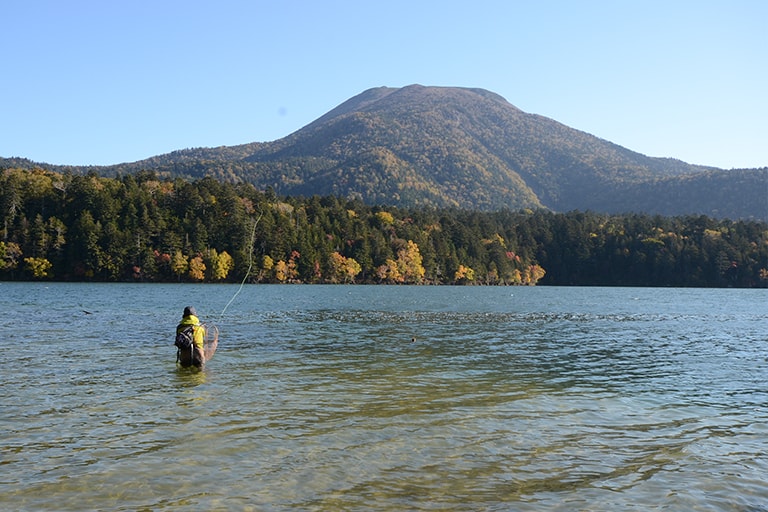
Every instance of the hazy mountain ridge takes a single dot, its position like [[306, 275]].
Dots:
[[470, 148]]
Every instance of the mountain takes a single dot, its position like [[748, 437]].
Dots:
[[468, 148]]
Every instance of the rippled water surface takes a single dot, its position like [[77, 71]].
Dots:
[[385, 398]]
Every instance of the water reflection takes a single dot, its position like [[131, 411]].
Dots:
[[189, 377]]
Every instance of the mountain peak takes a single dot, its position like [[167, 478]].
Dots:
[[464, 147]]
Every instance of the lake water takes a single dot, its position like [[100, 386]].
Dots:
[[385, 398]]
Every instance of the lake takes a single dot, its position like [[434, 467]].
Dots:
[[385, 398]]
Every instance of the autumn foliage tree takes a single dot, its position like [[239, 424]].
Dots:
[[342, 269]]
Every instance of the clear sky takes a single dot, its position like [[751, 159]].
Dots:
[[105, 82]]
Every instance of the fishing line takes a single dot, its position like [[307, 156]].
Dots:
[[250, 266], [211, 336]]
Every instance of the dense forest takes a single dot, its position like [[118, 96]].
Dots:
[[138, 227]]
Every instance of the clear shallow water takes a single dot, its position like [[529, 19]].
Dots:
[[317, 399]]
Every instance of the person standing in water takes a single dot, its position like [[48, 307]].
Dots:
[[190, 339]]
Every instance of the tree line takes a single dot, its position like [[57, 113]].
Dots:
[[138, 227]]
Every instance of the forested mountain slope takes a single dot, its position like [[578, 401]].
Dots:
[[467, 148]]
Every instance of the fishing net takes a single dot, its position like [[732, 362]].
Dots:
[[211, 340]]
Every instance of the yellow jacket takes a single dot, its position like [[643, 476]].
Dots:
[[198, 330]]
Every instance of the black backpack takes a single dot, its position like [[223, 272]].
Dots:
[[185, 338]]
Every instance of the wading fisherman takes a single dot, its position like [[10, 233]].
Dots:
[[190, 339]]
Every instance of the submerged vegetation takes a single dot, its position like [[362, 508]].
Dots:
[[141, 228]]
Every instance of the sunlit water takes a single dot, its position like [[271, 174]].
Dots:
[[385, 398]]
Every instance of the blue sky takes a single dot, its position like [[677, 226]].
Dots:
[[105, 82]]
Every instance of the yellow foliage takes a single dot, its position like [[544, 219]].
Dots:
[[38, 266], [197, 268], [409, 263], [342, 269], [220, 264], [385, 218], [389, 272], [281, 271], [464, 273]]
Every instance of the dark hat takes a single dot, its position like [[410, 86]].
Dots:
[[189, 310]]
